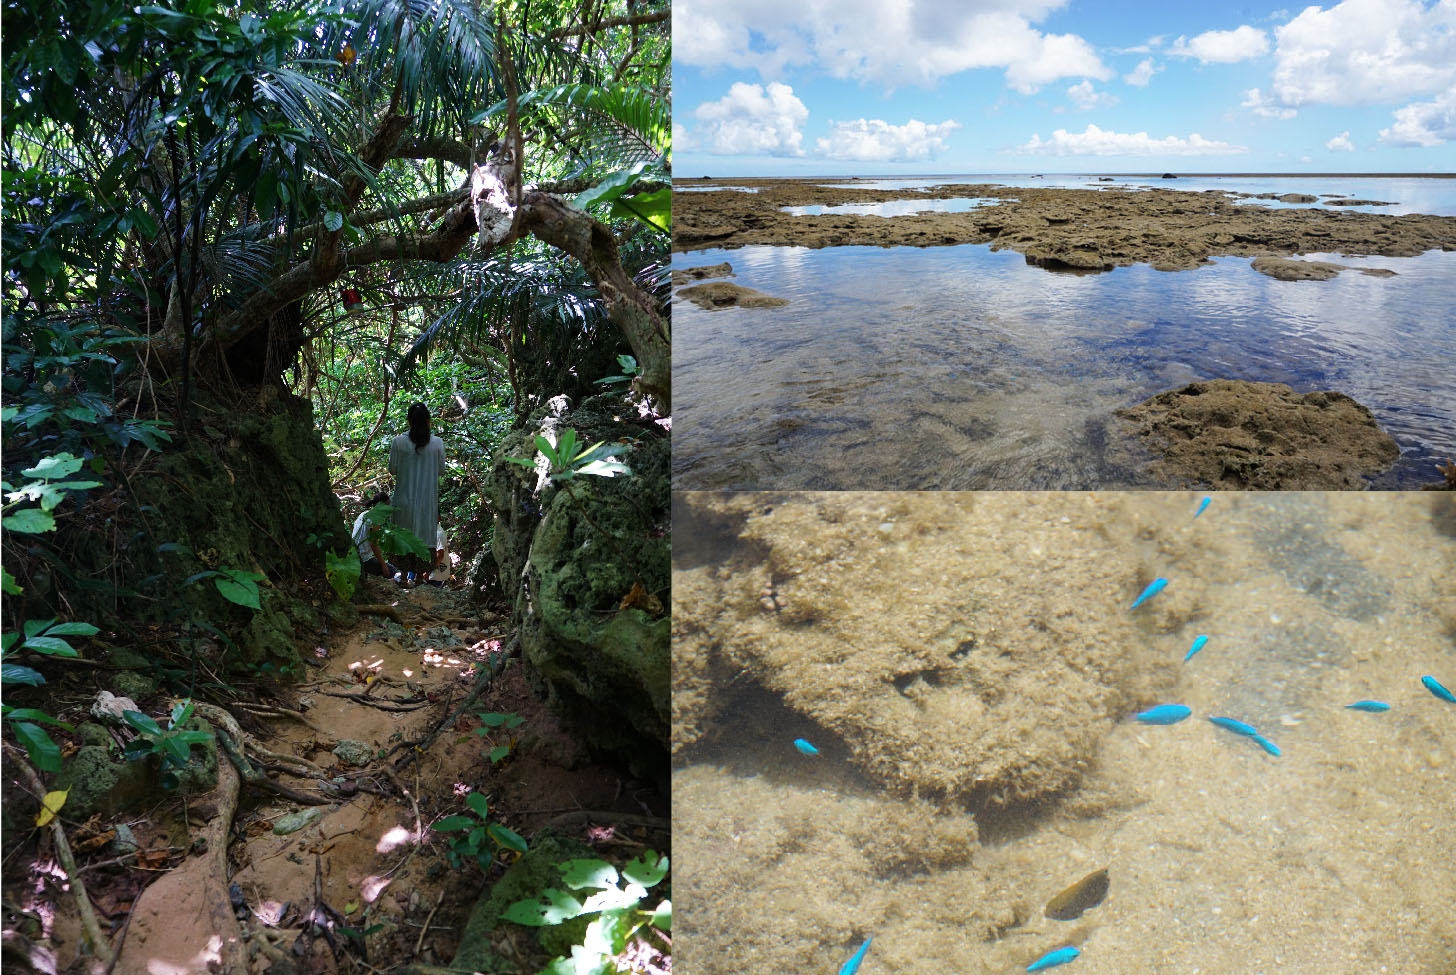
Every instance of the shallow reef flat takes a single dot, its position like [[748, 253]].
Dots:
[[968, 668], [1060, 229]]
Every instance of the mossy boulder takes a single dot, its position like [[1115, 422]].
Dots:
[[249, 490], [97, 782], [588, 561], [537, 870]]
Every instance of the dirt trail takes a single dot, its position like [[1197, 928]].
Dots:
[[365, 866]]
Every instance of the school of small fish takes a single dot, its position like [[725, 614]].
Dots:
[[1090, 891]]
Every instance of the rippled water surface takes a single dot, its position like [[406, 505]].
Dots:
[[959, 367]]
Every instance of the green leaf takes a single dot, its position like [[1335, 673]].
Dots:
[[35, 714], [507, 838], [72, 629], [604, 468], [653, 209], [552, 907], [452, 823], [478, 804], [343, 571], [44, 753], [31, 521], [175, 750], [59, 465], [577, 874], [647, 868], [609, 934], [333, 220], [613, 186], [16, 674], [494, 719], [142, 723], [181, 711], [50, 645], [499, 752], [239, 586], [662, 916], [8, 583], [613, 899]]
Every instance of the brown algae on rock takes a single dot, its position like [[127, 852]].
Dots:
[[717, 295], [1079, 898], [1237, 435]]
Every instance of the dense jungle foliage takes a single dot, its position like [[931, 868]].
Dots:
[[238, 240]]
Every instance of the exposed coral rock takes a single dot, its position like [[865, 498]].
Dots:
[[717, 295], [1082, 229], [1233, 434]]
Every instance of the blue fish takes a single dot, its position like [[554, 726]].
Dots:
[[1165, 714], [1373, 706], [1154, 587], [805, 747], [1267, 745], [852, 966], [1198, 643], [1053, 958], [1434, 686], [1201, 505], [1237, 727]]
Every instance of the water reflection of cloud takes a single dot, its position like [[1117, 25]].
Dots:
[[893, 208], [936, 336]]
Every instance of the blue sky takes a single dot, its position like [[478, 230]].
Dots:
[[820, 87]]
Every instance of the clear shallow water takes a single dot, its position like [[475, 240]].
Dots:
[[708, 189], [1330, 859], [963, 368], [1408, 194], [894, 208]]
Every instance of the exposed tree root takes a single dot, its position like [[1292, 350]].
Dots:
[[381, 609], [200, 886]]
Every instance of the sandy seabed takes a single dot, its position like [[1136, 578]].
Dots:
[[967, 665]]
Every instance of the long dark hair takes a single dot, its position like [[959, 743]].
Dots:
[[419, 424]]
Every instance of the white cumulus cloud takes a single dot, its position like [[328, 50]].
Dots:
[[1363, 52], [751, 120], [1424, 123], [1341, 143], [1142, 74], [874, 140], [1223, 45], [1096, 142], [1261, 104], [1086, 98], [909, 42]]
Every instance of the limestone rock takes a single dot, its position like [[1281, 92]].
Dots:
[[352, 752], [718, 295], [1236, 435], [572, 551]]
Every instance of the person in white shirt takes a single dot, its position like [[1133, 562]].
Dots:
[[417, 459], [372, 559]]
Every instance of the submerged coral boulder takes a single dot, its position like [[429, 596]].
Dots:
[[904, 632], [1237, 435]]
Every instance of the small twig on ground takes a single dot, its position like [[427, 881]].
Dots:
[[482, 681], [104, 955], [420, 941]]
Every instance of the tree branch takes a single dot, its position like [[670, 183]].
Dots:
[[607, 22], [550, 220]]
